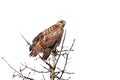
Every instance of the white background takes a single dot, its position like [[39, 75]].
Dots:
[[95, 24]]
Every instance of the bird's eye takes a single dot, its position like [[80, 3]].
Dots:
[[61, 22]]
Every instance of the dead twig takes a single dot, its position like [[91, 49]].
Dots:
[[63, 71], [64, 51], [25, 40], [18, 73], [32, 69], [46, 62], [51, 62], [60, 50], [43, 77]]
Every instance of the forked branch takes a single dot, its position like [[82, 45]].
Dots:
[[18, 72], [54, 70]]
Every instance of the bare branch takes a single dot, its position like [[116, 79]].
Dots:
[[52, 68], [43, 77], [11, 66], [19, 74], [45, 68], [25, 40], [69, 72], [63, 71], [71, 46], [64, 50], [46, 62], [34, 69], [62, 78], [64, 66], [60, 50]]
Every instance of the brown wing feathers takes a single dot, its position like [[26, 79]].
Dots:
[[47, 40]]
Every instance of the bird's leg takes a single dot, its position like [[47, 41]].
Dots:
[[54, 50]]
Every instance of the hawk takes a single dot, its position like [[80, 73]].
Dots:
[[47, 41]]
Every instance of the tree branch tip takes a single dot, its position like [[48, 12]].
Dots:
[[2, 57], [25, 40]]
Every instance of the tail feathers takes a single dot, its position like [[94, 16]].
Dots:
[[30, 48], [35, 50], [34, 54]]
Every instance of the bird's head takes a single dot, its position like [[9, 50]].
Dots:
[[61, 23]]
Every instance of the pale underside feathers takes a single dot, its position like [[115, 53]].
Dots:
[[47, 41]]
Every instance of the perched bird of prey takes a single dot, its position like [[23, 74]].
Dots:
[[47, 41]]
